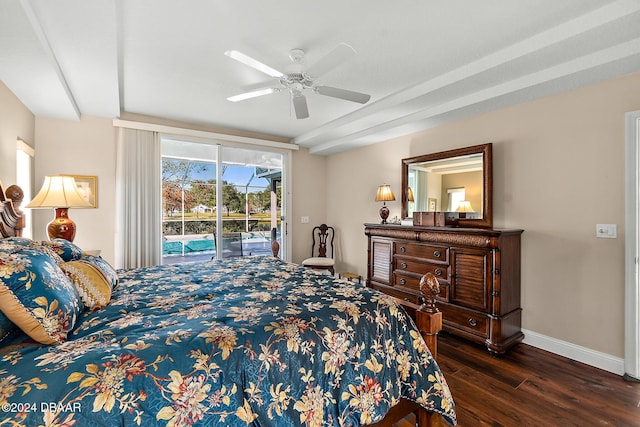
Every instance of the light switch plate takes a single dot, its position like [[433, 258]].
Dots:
[[304, 220], [607, 231]]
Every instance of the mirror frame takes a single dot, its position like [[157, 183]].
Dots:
[[487, 181]]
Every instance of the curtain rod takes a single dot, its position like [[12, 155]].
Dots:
[[202, 134]]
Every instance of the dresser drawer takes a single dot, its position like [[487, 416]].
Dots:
[[432, 253], [403, 295], [412, 284], [467, 320], [406, 265]]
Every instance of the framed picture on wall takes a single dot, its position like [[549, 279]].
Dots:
[[88, 187]]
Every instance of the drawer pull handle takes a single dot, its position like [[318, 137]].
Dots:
[[403, 249], [437, 254], [438, 272], [473, 322], [403, 265], [403, 282]]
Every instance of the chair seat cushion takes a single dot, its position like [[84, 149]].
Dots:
[[319, 261]]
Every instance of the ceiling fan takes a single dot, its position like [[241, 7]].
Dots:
[[297, 79]]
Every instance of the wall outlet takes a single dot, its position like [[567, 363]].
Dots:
[[606, 231], [304, 220]]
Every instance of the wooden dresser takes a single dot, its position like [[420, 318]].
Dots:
[[478, 270]]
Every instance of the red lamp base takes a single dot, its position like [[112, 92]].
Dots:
[[62, 226], [384, 213]]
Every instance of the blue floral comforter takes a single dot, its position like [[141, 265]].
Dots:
[[243, 341]]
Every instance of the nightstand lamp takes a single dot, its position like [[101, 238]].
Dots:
[[384, 195], [59, 192]]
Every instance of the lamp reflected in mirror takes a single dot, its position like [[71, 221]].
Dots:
[[59, 192], [464, 207], [384, 195], [410, 197]]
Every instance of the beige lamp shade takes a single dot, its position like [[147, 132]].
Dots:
[[58, 191], [410, 197], [61, 193], [465, 206], [385, 194]]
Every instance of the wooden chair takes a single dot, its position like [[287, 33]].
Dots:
[[322, 257]]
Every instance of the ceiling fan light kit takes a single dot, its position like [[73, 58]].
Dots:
[[298, 79]]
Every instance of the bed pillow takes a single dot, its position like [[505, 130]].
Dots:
[[6, 326], [93, 278], [67, 250], [37, 296], [10, 242], [47, 250]]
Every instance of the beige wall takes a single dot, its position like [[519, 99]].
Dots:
[[308, 191], [558, 171], [16, 121], [83, 147]]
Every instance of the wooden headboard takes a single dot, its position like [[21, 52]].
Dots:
[[11, 217]]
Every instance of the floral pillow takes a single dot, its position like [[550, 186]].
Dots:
[[10, 242], [36, 295], [67, 250], [6, 326], [93, 278]]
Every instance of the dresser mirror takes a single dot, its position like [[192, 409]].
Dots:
[[458, 182]]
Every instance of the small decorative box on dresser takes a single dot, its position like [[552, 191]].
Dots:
[[478, 270]]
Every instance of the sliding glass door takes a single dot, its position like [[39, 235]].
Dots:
[[219, 201]]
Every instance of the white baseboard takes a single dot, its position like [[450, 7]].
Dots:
[[581, 354]]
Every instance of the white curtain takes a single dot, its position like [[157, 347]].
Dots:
[[138, 199]]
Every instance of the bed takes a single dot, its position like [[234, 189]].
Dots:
[[241, 341]]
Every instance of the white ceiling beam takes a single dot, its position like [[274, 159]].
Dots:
[[46, 47], [591, 61], [120, 52], [546, 39]]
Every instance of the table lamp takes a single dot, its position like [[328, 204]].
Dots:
[[59, 192], [410, 196], [384, 195], [464, 207]]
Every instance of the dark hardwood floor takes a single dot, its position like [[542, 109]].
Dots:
[[532, 387]]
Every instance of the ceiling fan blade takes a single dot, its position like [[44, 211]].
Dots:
[[300, 106], [271, 84], [349, 95], [252, 94], [253, 63], [337, 56]]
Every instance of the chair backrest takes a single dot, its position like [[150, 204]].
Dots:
[[322, 245]]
